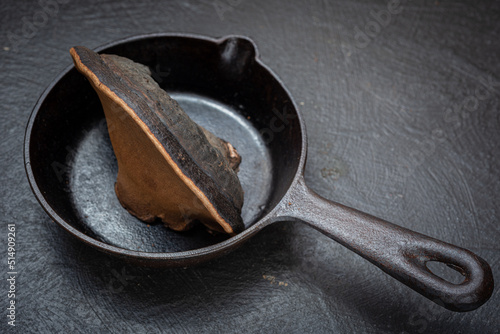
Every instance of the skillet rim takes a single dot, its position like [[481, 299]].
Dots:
[[167, 258]]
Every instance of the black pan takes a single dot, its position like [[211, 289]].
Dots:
[[223, 86]]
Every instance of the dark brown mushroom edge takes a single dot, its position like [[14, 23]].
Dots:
[[169, 167]]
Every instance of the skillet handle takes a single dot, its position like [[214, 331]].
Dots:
[[399, 252]]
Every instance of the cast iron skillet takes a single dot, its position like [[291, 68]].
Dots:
[[222, 85]]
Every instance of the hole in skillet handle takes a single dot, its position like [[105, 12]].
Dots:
[[447, 271]]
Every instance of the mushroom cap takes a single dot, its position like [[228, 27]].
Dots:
[[169, 167]]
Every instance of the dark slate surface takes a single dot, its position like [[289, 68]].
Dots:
[[403, 123]]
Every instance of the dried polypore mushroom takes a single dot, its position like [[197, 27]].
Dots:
[[168, 166]]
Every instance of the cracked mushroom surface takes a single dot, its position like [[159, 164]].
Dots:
[[169, 167]]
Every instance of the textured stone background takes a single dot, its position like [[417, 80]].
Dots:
[[403, 123]]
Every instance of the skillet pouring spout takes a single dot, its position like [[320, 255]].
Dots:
[[399, 252]]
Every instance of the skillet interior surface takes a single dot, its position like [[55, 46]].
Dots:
[[219, 83]]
